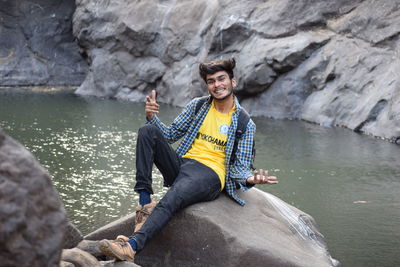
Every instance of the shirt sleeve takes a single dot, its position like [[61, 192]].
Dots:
[[240, 169], [179, 126]]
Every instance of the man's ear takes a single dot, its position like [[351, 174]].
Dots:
[[234, 82]]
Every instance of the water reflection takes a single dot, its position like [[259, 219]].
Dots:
[[348, 182], [87, 145]]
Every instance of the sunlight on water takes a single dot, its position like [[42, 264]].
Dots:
[[89, 153], [347, 182]]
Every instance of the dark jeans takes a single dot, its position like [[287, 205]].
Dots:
[[190, 181]]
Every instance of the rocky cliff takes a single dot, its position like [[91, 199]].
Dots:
[[335, 63], [36, 44]]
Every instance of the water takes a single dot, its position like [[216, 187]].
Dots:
[[348, 182]]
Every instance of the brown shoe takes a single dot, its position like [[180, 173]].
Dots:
[[119, 248], [142, 213]]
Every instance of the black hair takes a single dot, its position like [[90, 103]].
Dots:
[[217, 65]]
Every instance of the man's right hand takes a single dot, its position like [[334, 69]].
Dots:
[[151, 105]]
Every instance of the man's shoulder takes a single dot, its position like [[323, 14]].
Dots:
[[245, 118], [199, 102]]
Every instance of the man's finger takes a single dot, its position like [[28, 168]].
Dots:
[[153, 96], [149, 104], [153, 110]]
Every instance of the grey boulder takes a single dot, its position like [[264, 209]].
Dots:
[[79, 258], [72, 236], [32, 217], [265, 232], [122, 226]]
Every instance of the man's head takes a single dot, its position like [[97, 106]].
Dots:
[[219, 77]]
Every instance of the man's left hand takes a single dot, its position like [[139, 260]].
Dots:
[[261, 177]]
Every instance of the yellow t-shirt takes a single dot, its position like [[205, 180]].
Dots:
[[210, 143]]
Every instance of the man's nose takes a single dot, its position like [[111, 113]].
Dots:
[[218, 83]]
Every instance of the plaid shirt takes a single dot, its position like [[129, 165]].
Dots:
[[186, 126]]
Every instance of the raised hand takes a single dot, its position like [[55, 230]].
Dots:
[[261, 177], [151, 105]]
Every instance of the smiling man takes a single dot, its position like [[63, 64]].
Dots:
[[211, 157]]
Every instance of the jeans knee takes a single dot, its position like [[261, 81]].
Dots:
[[171, 202], [147, 129]]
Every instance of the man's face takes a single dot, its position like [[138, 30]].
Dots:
[[219, 85]]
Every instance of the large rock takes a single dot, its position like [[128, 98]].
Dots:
[[79, 258], [32, 217], [265, 232], [92, 247], [122, 226], [36, 44], [72, 236], [114, 263], [333, 63]]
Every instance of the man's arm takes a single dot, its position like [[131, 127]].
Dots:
[[241, 168], [178, 127]]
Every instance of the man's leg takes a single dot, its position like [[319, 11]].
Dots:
[[194, 183], [151, 147]]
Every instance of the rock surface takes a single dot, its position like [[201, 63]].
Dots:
[[266, 232], [66, 264], [36, 44], [32, 217], [335, 63], [122, 226], [92, 247], [79, 258], [72, 236], [118, 264]]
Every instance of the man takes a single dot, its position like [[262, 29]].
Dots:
[[200, 168]]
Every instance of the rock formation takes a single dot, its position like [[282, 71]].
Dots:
[[266, 232], [335, 63], [32, 217], [36, 44]]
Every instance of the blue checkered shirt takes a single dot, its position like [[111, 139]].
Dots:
[[187, 124]]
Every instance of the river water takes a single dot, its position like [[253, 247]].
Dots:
[[349, 183]]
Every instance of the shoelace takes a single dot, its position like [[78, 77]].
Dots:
[[141, 213], [125, 246]]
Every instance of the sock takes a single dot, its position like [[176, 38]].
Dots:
[[133, 244], [144, 197]]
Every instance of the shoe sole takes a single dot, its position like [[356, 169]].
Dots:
[[108, 251]]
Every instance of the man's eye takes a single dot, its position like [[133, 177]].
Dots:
[[210, 82]]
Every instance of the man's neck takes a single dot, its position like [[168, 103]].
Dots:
[[224, 106]]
